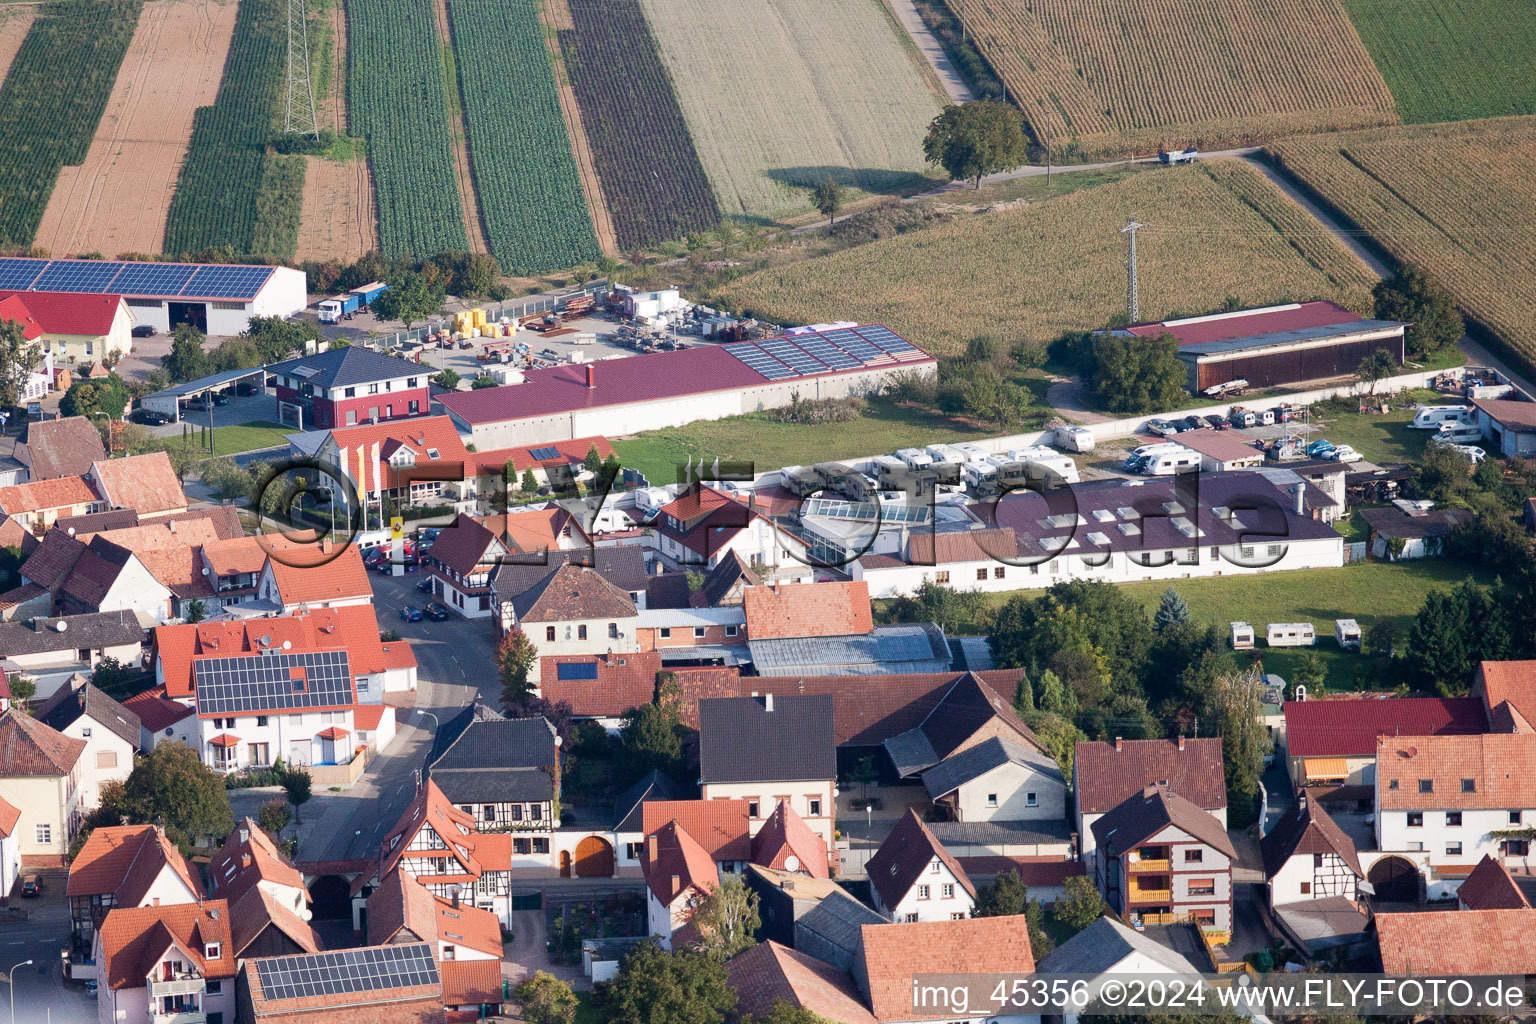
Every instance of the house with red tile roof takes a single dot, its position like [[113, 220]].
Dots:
[[125, 866], [401, 911], [820, 609], [396, 984], [409, 461], [249, 859], [1507, 690], [1308, 857], [1457, 942], [704, 525], [786, 843], [40, 771], [542, 460], [161, 718], [891, 956], [1105, 775], [35, 506], [770, 973], [679, 875], [1333, 741], [145, 483], [600, 687], [80, 710], [326, 575], [160, 961], [82, 326], [913, 878], [1490, 887]]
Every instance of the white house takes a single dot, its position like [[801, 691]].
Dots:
[[998, 780], [1158, 853], [110, 731], [1308, 857], [125, 866], [704, 525], [10, 845], [679, 875], [913, 878], [1107, 947], [574, 610], [158, 964], [40, 773], [314, 576]]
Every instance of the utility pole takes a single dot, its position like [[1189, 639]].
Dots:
[[1132, 305], [300, 118]]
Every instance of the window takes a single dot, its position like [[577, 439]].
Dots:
[[581, 631], [373, 389], [941, 576], [911, 919], [698, 632], [1415, 819], [1317, 860], [213, 987], [815, 807], [666, 632], [85, 733], [351, 417], [948, 891], [752, 809], [261, 721], [1452, 818], [350, 393], [488, 812], [216, 1017], [485, 602], [958, 915], [45, 835], [517, 812], [1031, 799], [521, 846], [633, 851], [1469, 785], [1426, 785], [1205, 917], [1392, 784], [106, 759], [448, 952], [997, 572], [732, 630], [260, 754], [1514, 817], [549, 634], [1202, 887], [212, 951], [1416, 847], [535, 812], [1306, 888], [922, 892], [541, 845], [933, 867], [991, 799], [410, 382], [1194, 856], [1453, 849], [613, 630], [981, 573]]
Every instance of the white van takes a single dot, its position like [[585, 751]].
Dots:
[[1290, 634], [1457, 433], [945, 453], [1432, 416], [1168, 463], [915, 458]]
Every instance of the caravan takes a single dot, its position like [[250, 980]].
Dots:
[[1291, 634], [1042, 460], [916, 458], [1431, 417], [1452, 432], [1184, 460], [982, 479], [946, 454]]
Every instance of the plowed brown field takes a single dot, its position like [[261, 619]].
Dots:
[[338, 219], [116, 201]]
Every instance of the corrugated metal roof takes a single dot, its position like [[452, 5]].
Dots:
[[1248, 323]]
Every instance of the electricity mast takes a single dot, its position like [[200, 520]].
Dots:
[[300, 118], [1132, 303]]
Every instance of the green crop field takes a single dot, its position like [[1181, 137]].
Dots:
[[1449, 60], [531, 199], [231, 191], [1219, 229], [52, 101], [397, 101]]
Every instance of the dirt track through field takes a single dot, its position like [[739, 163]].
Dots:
[[117, 200], [557, 17], [13, 29], [337, 220]]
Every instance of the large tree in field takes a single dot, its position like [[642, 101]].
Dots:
[[975, 139], [1413, 296]]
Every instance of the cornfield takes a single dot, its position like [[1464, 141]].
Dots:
[[397, 100], [1457, 201], [53, 99], [1217, 231], [1128, 76], [531, 198], [231, 191]]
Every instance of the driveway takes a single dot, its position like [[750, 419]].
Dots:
[[529, 952], [41, 992]]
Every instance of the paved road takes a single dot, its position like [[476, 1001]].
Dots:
[[932, 50], [41, 994]]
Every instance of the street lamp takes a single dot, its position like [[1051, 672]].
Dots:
[[11, 977]]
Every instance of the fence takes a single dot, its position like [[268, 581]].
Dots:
[[511, 309]]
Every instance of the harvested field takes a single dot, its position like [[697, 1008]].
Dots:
[[817, 89], [1457, 200], [1102, 76], [14, 23], [337, 219], [116, 201], [1448, 60], [1218, 231]]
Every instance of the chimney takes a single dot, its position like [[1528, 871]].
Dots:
[[1300, 493], [1181, 741], [455, 897], [1119, 744], [245, 834], [768, 702], [171, 526], [591, 376], [650, 848]]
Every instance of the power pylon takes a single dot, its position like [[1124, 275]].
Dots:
[[300, 118], [1132, 303]]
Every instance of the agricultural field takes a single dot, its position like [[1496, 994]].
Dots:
[[1451, 60], [398, 102], [1034, 271], [15, 23], [116, 200], [231, 192], [814, 89], [1119, 76], [1456, 200], [52, 100], [531, 199], [634, 125], [337, 220]]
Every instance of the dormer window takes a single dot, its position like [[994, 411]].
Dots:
[[212, 951]]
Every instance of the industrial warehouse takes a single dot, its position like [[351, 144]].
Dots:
[[215, 298], [1299, 341], [668, 389]]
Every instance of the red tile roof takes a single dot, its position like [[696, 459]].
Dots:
[[1457, 942], [769, 972], [675, 862], [891, 955], [903, 858], [29, 749], [156, 711], [1512, 681], [420, 434], [238, 554], [134, 939], [126, 860], [623, 681], [808, 609], [258, 909], [9, 814], [402, 902], [247, 857], [14, 310], [1107, 777], [71, 312], [335, 579], [1501, 768], [784, 835], [62, 492], [709, 520], [721, 826], [145, 483], [368, 716], [470, 982], [1489, 887], [494, 462], [468, 853], [1247, 325], [1348, 728], [536, 530]]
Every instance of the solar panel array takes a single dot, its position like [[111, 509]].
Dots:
[[147, 280], [257, 683], [346, 971], [803, 355], [572, 670], [546, 454]]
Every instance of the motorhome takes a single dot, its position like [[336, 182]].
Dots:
[[915, 457], [972, 452], [800, 480], [1044, 459], [1457, 433], [1184, 460], [1290, 634], [1432, 416], [1143, 451], [1347, 633], [942, 454], [1242, 636], [889, 470], [982, 479], [1075, 439], [846, 481]]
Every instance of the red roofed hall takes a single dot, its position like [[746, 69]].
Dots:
[[1456, 942], [891, 955], [1334, 741]]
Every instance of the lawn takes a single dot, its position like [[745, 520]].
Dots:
[[1383, 438], [586, 1012], [246, 437], [770, 444]]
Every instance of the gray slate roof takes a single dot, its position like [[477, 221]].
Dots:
[[740, 740], [1001, 833], [837, 920], [974, 762], [888, 649], [94, 629], [68, 704], [1102, 945], [354, 364], [499, 761], [627, 813], [623, 566]]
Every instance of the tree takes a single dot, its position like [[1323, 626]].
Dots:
[[1455, 631], [1137, 375], [1082, 615], [187, 360], [670, 988], [651, 739], [111, 673], [1375, 368], [482, 382], [1080, 906], [226, 478], [23, 689], [1024, 696], [727, 919], [1413, 296], [194, 610], [529, 484], [1231, 710], [593, 460], [411, 298], [1172, 610], [17, 357], [545, 999], [975, 139], [1309, 672], [172, 787], [827, 197], [88, 397], [447, 379], [786, 1012], [1380, 638], [297, 785], [1005, 897], [273, 339], [515, 658], [274, 815]]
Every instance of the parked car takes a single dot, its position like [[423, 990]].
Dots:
[[1162, 428], [1471, 451], [247, 387], [1343, 453], [1320, 449], [410, 613], [1193, 423], [144, 331], [31, 885], [220, 398], [149, 417], [424, 585], [435, 611], [1283, 414], [196, 404]]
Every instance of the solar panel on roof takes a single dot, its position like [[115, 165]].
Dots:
[[573, 670], [886, 340], [829, 354], [153, 278], [227, 282], [756, 359], [17, 274], [546, 454], [370, 969], [77, 276], [270, 682]]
